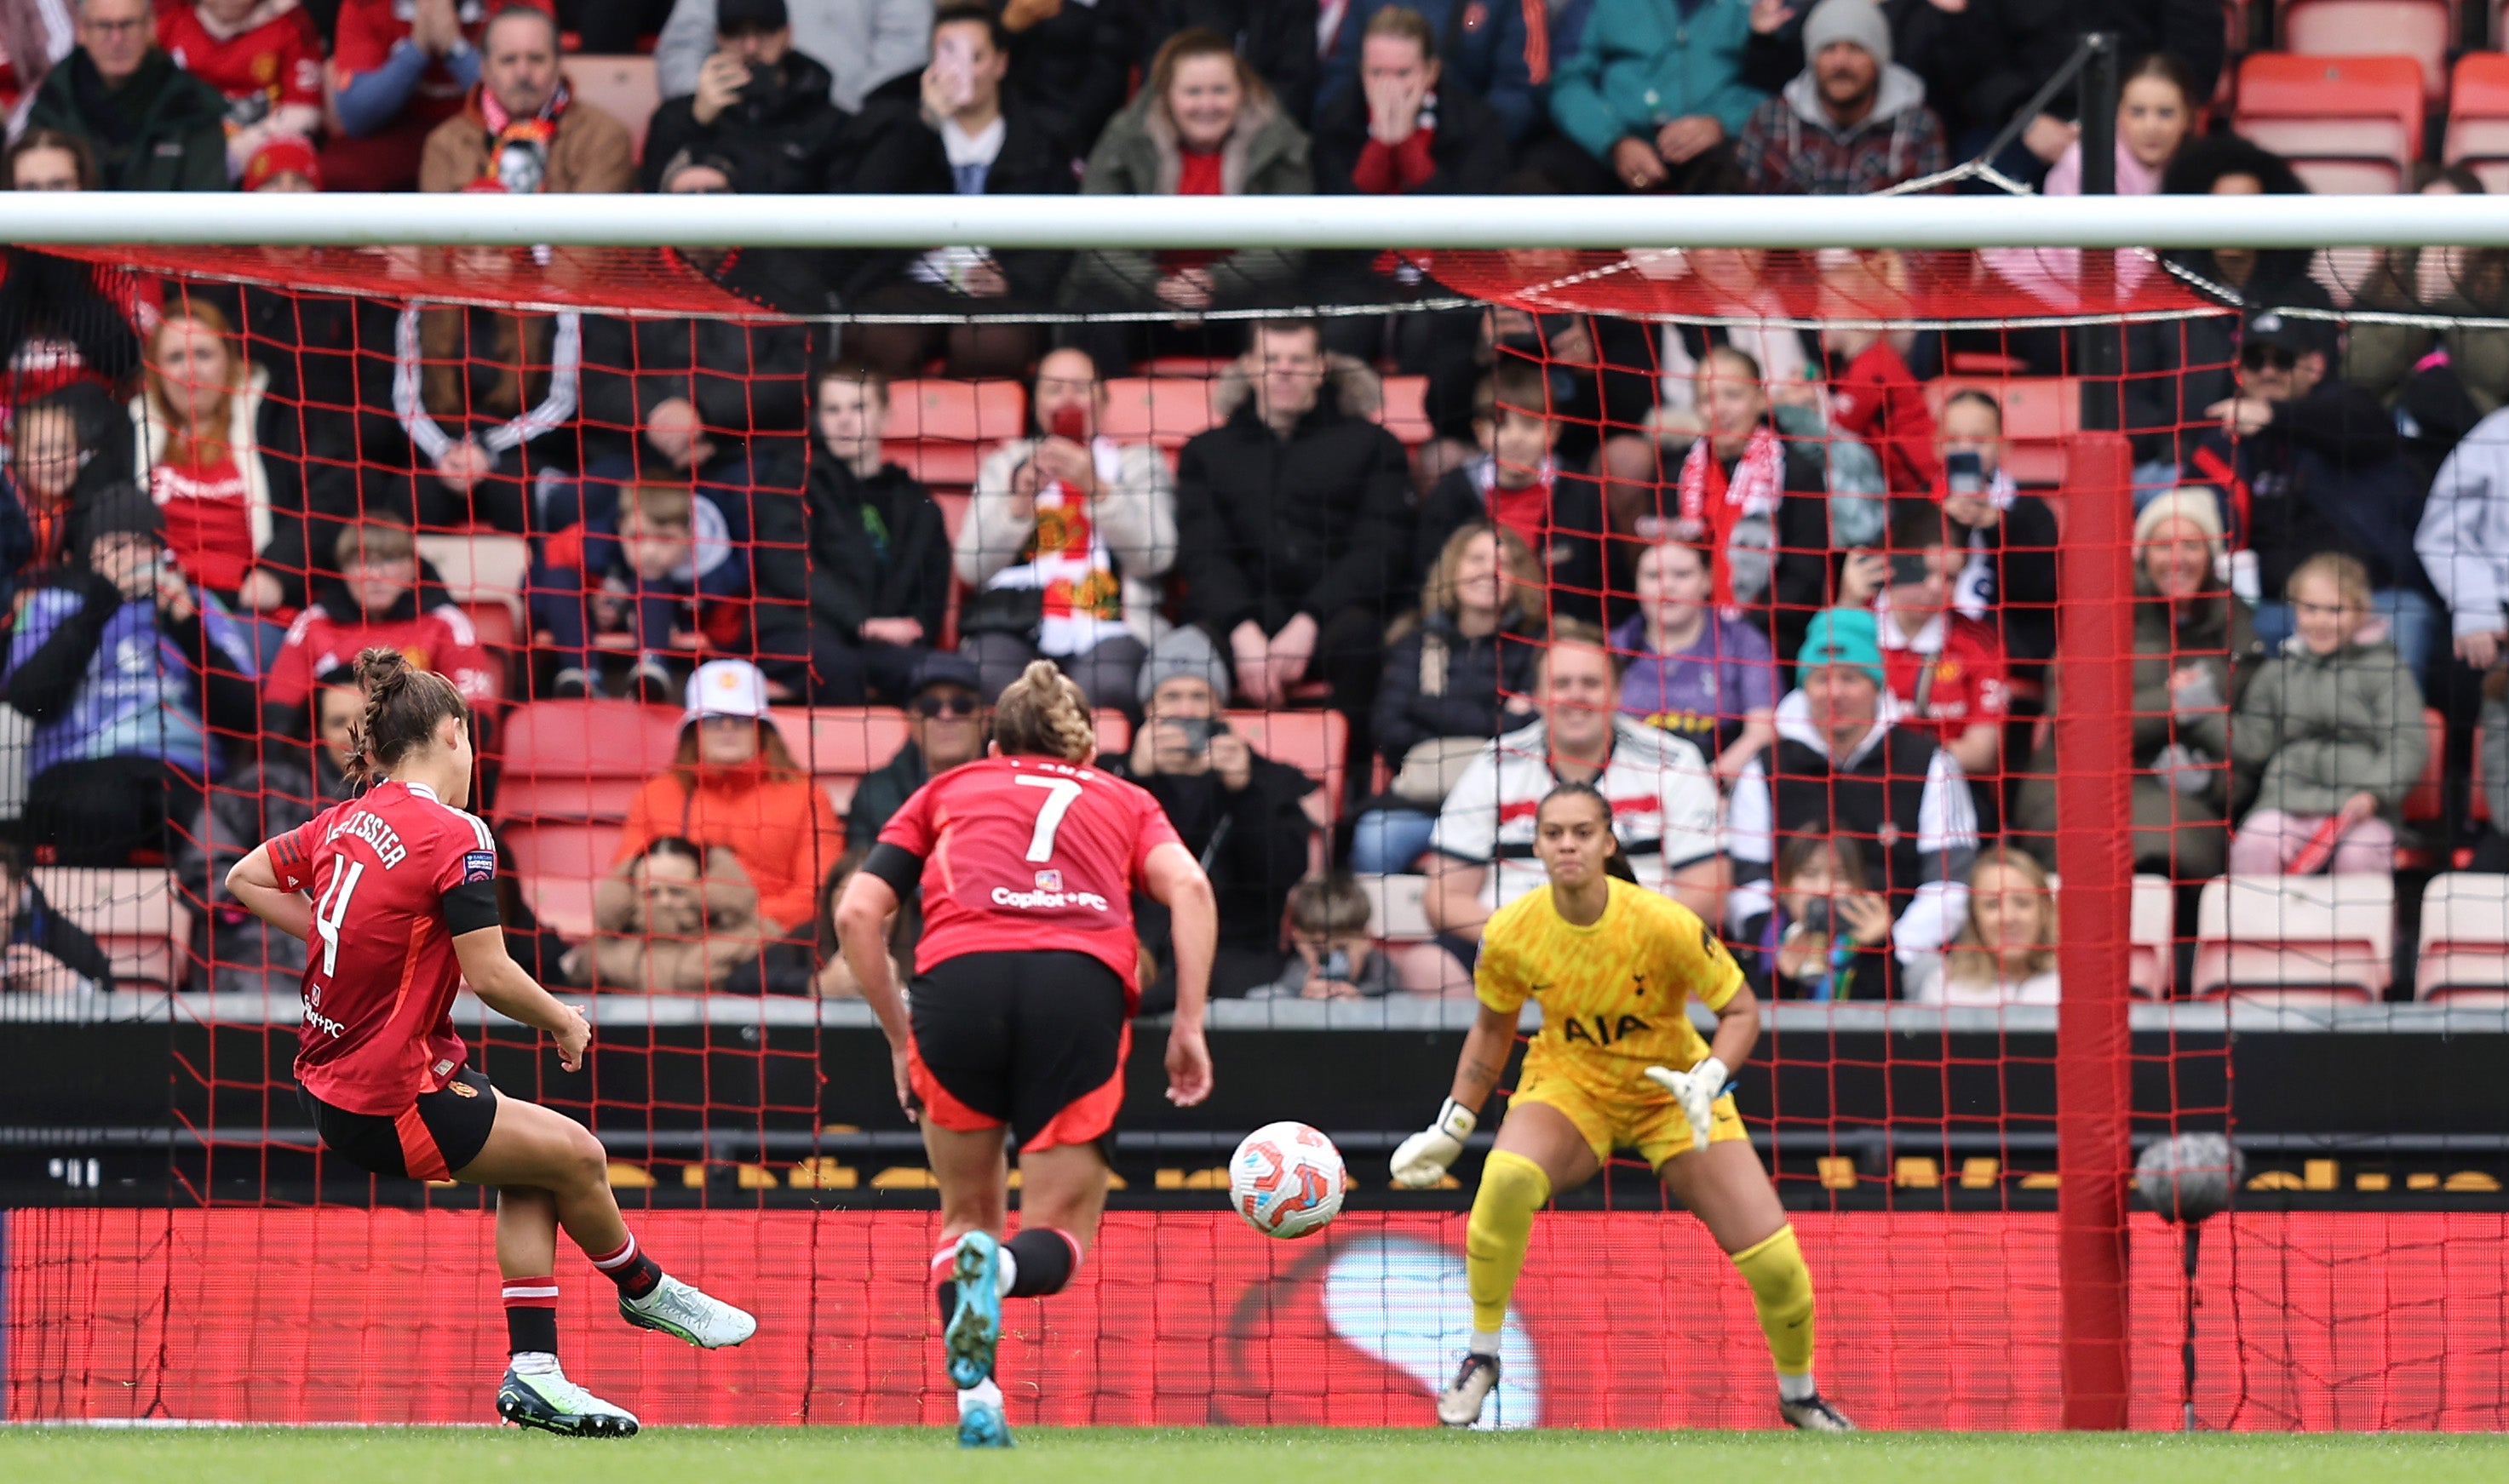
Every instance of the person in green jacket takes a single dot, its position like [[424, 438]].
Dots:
[[1658, 90], [153, 125], [2336, 723]]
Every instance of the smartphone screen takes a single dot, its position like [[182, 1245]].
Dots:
[[1963, 474], [1908, 569], [1071, 422]]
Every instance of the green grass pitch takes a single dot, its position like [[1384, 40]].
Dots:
[[1225, 1456]]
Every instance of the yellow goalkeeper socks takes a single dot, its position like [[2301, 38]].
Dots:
[[1512, 1188], [1781, 1293]]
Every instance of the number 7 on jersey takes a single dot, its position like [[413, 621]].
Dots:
[[1059, 794]]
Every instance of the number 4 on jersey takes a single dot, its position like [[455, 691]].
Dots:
[[333, 910], [1059, 794]]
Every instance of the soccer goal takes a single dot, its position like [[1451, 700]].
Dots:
[[2033, 469]]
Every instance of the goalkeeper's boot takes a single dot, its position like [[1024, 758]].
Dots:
[[975, 1324], [1459, 1405], [1813, 1415], [549, 1401], [675, 1307], [981, 1424]]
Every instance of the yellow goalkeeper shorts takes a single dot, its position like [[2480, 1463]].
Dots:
[[1655, 1127]]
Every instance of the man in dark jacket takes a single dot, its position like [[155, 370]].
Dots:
[[948, 721], [853, 570], [1241, 814], [1294, 523], [153, 125], [760, 106], [1067, 63], [2309, 462]]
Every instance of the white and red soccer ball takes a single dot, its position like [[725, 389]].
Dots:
[[1287, 1181]]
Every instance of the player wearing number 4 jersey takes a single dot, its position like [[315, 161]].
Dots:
[[395, 895], [1616, 1064], [1025, 979]]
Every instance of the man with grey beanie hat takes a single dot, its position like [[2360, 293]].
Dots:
[[1852, 123]]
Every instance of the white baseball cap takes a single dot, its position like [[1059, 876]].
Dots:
[[727, 688]]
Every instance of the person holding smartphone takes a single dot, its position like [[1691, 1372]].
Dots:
[[760, 104], [1945, 668]]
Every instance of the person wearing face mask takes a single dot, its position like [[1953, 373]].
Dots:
[[2195, 650]]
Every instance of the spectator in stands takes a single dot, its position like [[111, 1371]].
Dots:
[[1851, 124], [2156, 114], [376, 602], [1662, 796], [964, 136], [1602, 399], [2005, 953], [863, 542], [132, 677], [65, 447], [1694, 669], [1404, 131], [62, 320], [1247, 817], [2195, 650], [679, 918], [1654, 95], [733, 785], [1842, 766], [1068, 63], [1276, 38], [1753, 501], [1206, 124], [152, 126], [2440, 380], [1828, 937], [1064, 542], [2335, 722], [1871, 395], [1332, 957], [653, 571], [34, 37], [49, 160], [2464, 543], [41, 951], [2010, 576], [487, 399], [1458, 671], [1479, 50], [713, 397], [1293, 520], [287, 165], [223, 461], [398, 69], [760, 106], [521, 132], [2001, 56], [261, 55], [1518, 484], [864, 42], [2310, 463], [231, 949], [949, 720], [1945, 669], [2176, 372]]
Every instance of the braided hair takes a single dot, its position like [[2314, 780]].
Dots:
[[1044, 714], [403, 705]]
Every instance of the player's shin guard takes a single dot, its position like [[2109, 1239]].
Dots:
[[1781, 1293], [1040, 1261], [1512, 1188]]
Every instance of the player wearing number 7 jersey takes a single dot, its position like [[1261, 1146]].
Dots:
[[395, 895], [1025, 979]]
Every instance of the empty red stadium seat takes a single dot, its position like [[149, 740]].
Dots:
[[2152, 916], [1407, 409], [1314, 742], [2464, 938], [580, 759], [939, 431], [1161, 410], [2308, 940], [622, 86], [2311, 109], [2478, 118], [2421, 29], [556, 863], [136, 916]]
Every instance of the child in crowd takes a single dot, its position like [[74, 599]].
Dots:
[[1519, 486], [1829, 937], [376, 602], [1337, 959], [2005, 953], [641, 590], [2336, 723]]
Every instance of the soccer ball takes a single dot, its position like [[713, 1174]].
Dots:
[[1287, 1181]]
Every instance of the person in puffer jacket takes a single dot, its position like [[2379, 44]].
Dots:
[[2335, 721]]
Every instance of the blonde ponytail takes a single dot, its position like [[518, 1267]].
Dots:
[[1044, 714]]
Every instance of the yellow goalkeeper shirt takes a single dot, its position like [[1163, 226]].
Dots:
[[1614, 995]]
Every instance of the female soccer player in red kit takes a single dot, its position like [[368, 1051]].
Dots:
[[395, 895], [1025, 979]]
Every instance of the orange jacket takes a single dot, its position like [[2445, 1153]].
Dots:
[[783, 831]]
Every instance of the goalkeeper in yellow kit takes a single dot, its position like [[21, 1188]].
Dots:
[[1616, 1064]]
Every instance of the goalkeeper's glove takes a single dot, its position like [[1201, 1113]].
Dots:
[[1421, 1161], [1697, 1091]]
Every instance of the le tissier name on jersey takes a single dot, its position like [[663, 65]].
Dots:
[[374, 831]]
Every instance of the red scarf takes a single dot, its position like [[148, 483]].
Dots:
[[518, 149], [1525, 511], [1712, 502]]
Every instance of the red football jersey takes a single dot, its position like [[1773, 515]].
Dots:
[[380, 972], [274, 61], [1025, 853], [367, 30], [439, 639], [1969, 685]]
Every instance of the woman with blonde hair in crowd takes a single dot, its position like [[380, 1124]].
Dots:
[[2005, 953]]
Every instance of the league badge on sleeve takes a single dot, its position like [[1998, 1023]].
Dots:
[[478, 866]]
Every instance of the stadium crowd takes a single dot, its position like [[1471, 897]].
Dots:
[[1777, 592]]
